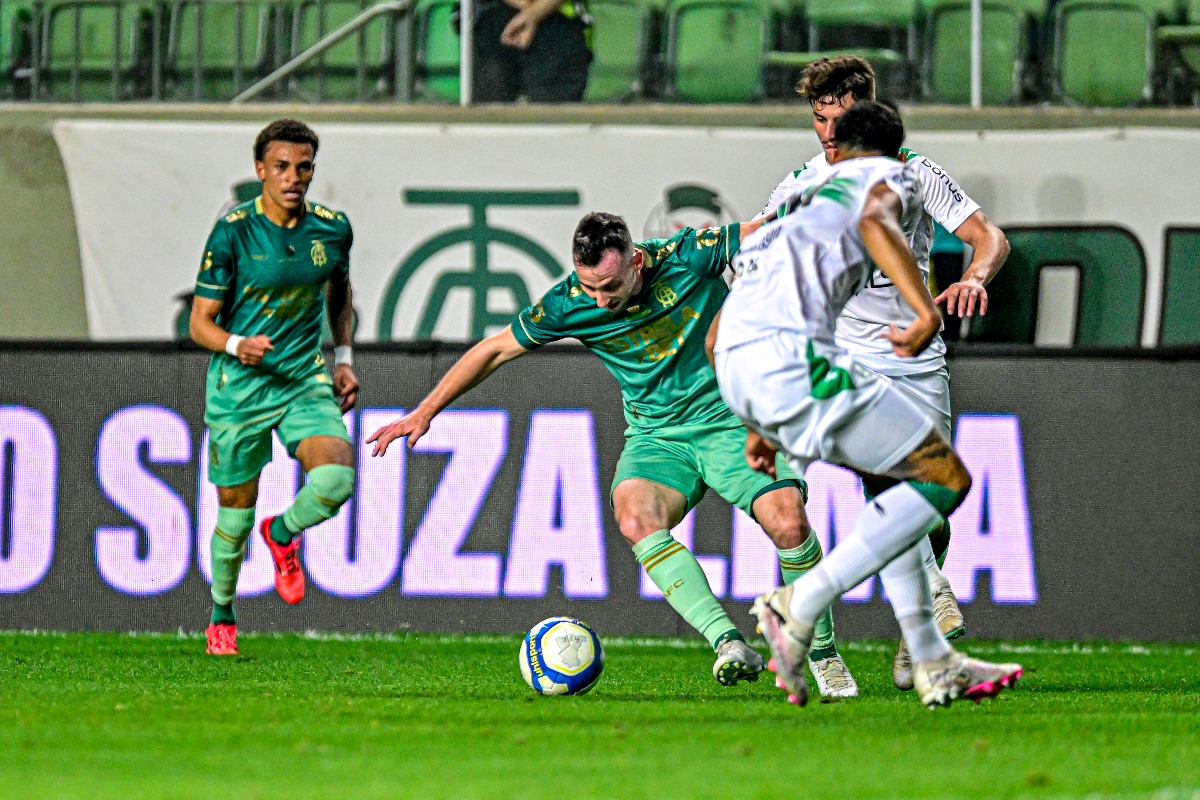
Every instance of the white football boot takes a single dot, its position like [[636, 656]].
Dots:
[[956, 675], [950, 622], [736, 662], [789, 640], [833, 678]]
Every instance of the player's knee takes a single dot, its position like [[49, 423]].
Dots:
[[787, 530], [333, 483]]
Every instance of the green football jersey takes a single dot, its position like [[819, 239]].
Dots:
[[271, 280], [655, 345]]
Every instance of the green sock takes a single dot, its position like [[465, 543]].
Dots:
[[329, 485], [223, 614], [675, 570], [940, 540], [795, 562], [228, 548], [279, 532]]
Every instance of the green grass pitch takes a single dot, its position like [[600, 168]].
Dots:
[[425, 716]]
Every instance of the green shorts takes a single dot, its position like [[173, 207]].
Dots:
[[694, 458], [239, 446]]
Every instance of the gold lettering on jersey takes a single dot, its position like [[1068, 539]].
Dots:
[[665, 295], [538, 313], [575, 291], [208, 260], [665, 250], [708, 237], [318, 253], [657, 340], [236, 215], [324, 213], [292, 303]]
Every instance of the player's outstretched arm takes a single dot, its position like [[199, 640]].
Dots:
[[991, 248], [885, 241], [339, 298], [471, 370], [204, 330]]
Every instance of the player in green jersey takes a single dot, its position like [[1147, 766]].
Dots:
[[644, 310], [269, 269]]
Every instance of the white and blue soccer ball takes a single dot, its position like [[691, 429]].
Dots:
[[561, 655]]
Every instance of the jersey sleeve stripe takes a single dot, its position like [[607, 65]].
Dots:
[[528, 335], [212, 286]]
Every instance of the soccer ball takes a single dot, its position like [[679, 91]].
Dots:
[[561, 655]]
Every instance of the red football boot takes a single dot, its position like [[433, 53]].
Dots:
[[289, 576], [222, 640]]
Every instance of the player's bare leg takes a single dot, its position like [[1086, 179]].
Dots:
[[327, 460], [646, 511], [235, 521], [781, 514]]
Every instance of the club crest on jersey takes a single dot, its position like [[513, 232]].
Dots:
[[318, 253], [665, 295]]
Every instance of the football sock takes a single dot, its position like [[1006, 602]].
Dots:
[[907, 585], [675, 570], [222, 614], [228, 548], [940, 540], [328, 487], [887, 526], [792, 564], [937, 581]]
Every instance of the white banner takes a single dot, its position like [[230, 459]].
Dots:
[[456, 226]]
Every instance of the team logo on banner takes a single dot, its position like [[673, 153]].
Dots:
[[480, 279], [687, 206]]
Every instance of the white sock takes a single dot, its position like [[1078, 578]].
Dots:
[[907, 586], [937, 581], [889, 525]]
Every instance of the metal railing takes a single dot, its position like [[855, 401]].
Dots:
[[402, 43]]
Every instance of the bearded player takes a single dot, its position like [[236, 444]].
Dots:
[[644, 309], [269, 269]]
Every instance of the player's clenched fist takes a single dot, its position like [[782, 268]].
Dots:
[[250, 351], [413, 425], [345, 386]]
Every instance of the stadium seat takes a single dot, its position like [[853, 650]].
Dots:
[[715, 50], [1112, 285], [438, 50], [217, 48], [97, 50], [898, 18], [619, 38], [16, 48], [1181, 313], [360, 67], [1104, 50], [1006, 44], [1183, 41]]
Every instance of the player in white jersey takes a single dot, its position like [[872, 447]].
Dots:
[[832, 86], [782, 369]]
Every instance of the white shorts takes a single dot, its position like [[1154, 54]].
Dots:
[[853, 417], [930, 391]]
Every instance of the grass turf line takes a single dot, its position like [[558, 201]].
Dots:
[[119, 716]]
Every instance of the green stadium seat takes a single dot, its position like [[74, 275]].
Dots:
[[1181, 312], [1184, 42], [1112, 281], [360, 67], [1006, 44], [438, 51], [715, 50], [619, 42], [16, 48], [1104, 53], [897, 17], [217, 48], [97, 50]]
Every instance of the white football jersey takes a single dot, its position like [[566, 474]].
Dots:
[[797, 275], [867, 316]]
